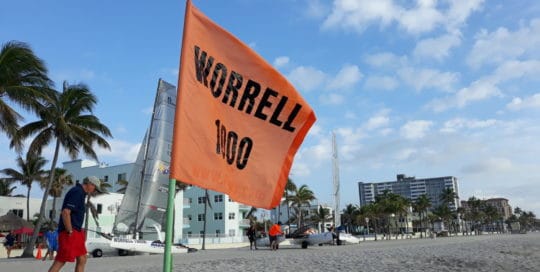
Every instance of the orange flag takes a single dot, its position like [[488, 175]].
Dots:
[[238, 121]]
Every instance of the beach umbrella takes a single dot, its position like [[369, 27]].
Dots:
[[10, 221], [24, 230]]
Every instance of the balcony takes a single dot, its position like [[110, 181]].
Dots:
[[186, 222], [243, 207], [187, 203], [244, 223]]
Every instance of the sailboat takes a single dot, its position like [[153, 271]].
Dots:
[[141, 215]]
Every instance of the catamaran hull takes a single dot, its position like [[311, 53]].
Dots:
[[145, 246]]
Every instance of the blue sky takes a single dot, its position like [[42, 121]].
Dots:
[[425, 88]]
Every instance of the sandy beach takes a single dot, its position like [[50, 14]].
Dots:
[[502, 252]]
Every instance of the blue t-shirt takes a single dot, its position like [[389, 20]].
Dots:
[[52, 239], [74, 200]]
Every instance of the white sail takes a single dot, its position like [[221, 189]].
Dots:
[[145, 200]]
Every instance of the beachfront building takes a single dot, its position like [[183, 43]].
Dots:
[[411, 188], [108, 204], [225, 219], [502, 206], [80, 169], [17, 205]]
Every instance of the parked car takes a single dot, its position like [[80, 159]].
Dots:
[[98, 248]]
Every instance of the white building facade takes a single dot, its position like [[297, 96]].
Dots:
[[108, 204], [17, 205], [225, 219]]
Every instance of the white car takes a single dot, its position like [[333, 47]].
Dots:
[[97, 248]]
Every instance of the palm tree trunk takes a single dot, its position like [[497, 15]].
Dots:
[[28, 202], [204, 222], [53, 211], [29, 249], [87, 210], [288, 211]]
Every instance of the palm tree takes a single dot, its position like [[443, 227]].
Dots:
[[302, 196], [448, 196], [23, 78], [206, 204], [290, 187], [6, 188], [31, 170], [61, 179], [322, 215], [349, 213], [422, 204], [67, 119]]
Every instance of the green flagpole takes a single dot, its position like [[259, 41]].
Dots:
[[167, 257]]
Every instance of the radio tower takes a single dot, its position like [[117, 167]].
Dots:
[[335, 174]]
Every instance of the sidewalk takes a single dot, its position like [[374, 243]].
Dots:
[[17, 252]]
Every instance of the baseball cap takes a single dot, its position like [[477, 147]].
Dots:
[[94, 180]]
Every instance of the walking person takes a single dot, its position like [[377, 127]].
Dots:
[[273, 233], [71, 236], [9, 242], [51, 238], [252, 236]]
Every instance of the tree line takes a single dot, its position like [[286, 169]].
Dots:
[[64, 119]]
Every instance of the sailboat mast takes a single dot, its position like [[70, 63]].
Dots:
[[146, 147], [335, 174]]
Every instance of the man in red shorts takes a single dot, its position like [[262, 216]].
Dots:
[[71, 237]]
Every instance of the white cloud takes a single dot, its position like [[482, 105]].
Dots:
[[332, 99], [385, 59], [437, 48], [502, 45], [347, 77], [513, 69], [488, 165], [458, 124], [405, 154], [379, 120], [477, 91], [316, 9], [519, 103], [307, 78], [423, 17], [357, 15], [121, 151], [415, 129], [386, 83], [280, 62], [421, 79]]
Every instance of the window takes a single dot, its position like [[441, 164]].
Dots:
[[190, 200], [202, 199], [218, 232], [18, 212], [231, 216], [200, 217], [106, 179], [218, 198], [189, 217], [122, 176], [218, 216], [232, 232], [99, 208], [201, 232]]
